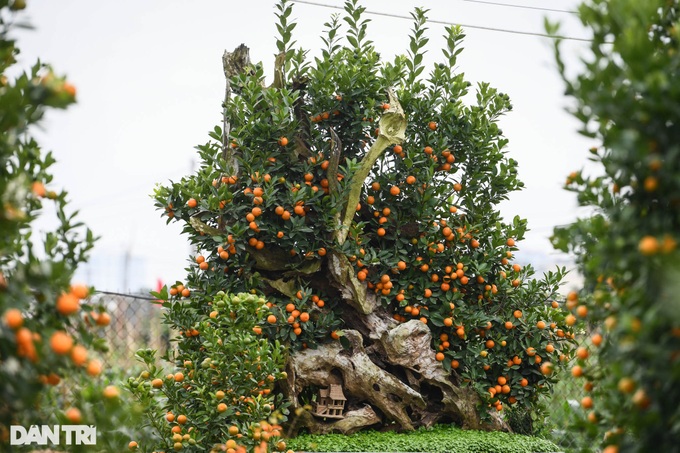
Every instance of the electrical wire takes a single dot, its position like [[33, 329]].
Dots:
[[434, 21], [134, 296], [538, 8]]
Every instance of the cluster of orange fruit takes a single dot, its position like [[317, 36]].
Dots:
[[60, 343]]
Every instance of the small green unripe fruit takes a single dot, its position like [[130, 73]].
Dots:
[[18, 5]]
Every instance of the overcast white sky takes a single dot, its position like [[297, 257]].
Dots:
[[150, 82]]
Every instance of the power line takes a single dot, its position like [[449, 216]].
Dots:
[[133, 296], [434, 21], [523, 6]]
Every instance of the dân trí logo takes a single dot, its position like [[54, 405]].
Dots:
[[52, 435]]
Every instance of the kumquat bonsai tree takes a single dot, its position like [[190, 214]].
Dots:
[[627, 250], [49, 344], [356, 201]]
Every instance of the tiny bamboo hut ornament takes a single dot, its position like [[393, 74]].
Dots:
[[331, 402]]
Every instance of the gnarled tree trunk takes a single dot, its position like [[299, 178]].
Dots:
[[387, 370]]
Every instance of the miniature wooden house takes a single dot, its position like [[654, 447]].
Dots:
[[331, 402]]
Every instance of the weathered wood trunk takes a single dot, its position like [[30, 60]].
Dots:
[[387, 370]]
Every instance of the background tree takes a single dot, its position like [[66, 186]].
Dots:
[[627, 250], [360, 198]]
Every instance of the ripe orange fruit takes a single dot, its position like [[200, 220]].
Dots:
[[649, 245], [596, 339], [38, 188], [103, 319], [547, 368], [540, 325], [179, 376], [67, 304], [490, 344], [587, 402], [181, 419], [582, 353], [502, 380], [271, 319], [69, 89], [61, 342], [651, 183], [73, 415], [577, 371], [221, 407], [79, 355], [80, 291], [132, 445], [94, 368], [440, 356], [517, 314], [111, 392], [170, 417], [626, 385], [192, 203], [233, 430], [394, 190], [640, 399], [283, 141], [304, 316], [157, 383], [13, 318], [432, 125], [524, 382], [582, 311]]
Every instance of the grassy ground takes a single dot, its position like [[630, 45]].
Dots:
[[439, 439]]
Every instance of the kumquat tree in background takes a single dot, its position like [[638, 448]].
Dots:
[[627, 98], [358, 200]]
